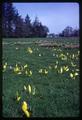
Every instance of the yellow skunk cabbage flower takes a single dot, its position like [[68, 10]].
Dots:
[[76, 74], [50, 67], [77, 69], [64, 58], [78, 52], [73, 64], [25, 66], [39, 55], [19, 73], [25, 87], [25, 109], [27, 113], [16, 65], [45, 71], [24, 106], [4, 66], [33, 91], [29, 88], [26, 72], [73, 56], [30, 50], [66, 68], [55, 67], [17, 69], [17, 96], [30, 72], [67, 53], [61, 55], [61, 70], [40, 71], [71, 75]]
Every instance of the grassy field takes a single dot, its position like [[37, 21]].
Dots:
[[47, 78]]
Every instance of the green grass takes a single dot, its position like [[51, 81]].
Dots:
[[56, 94]]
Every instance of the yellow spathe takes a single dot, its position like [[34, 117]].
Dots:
[[29, 88]]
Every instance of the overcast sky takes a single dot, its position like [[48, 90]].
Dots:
[[56, 16]]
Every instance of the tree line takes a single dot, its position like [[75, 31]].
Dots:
[[13, 25], [69, 32]]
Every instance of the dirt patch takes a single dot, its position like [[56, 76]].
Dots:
[[47, 44], [71, 46]]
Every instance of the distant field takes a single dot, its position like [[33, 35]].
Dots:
[[51, 71]]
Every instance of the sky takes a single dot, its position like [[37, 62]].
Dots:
[[56, 16]]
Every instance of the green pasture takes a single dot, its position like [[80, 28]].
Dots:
[[54, 78]]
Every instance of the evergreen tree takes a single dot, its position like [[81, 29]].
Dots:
[[18, 28], [14, 26], [38, 29], [7, 19], [28, 27]]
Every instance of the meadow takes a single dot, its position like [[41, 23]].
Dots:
[[43, 72]]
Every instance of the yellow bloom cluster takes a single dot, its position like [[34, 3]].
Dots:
[[24, 69], [30, 89], [66, 68], [25, 107], [73, 75], [17, 69], [62, 69], [63, 57], [28, 72], [43, 71]]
